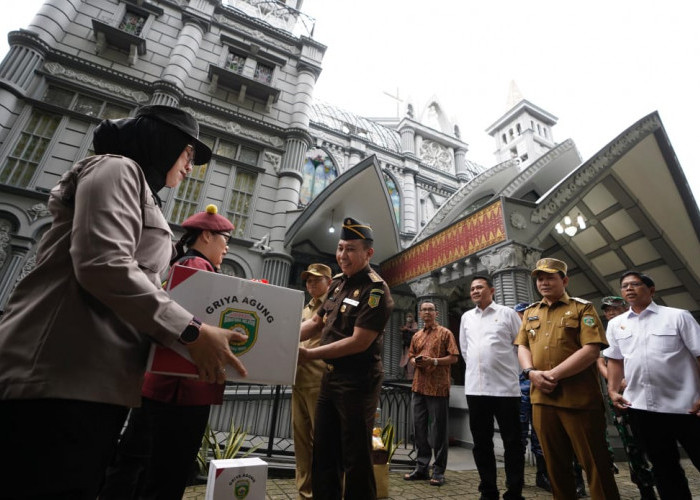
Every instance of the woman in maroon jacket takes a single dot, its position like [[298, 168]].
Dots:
[[158, 451]]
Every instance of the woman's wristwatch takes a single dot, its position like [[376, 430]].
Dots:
[[191, 331]]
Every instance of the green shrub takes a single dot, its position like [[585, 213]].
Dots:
[[229, 447], [388, 436]]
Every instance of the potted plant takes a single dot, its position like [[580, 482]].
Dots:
[[381, 456], [215, 449]]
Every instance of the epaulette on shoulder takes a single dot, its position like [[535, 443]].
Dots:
[[582, 301], [337, 276], [375, 277]]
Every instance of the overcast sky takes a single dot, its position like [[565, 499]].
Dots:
[[598, 66]]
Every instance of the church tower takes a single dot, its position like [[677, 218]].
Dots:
[[524, 131]]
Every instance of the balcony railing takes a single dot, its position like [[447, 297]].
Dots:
[[276, 14]]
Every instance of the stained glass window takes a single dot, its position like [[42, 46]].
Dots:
[[318, 172], [394, 196], [263, 73], [132, 23], [235, 62]]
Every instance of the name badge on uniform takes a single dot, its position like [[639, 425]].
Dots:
[[352, 302]]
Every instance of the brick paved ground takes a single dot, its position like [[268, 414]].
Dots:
[[459, 484]]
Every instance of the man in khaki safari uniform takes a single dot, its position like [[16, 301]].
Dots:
[[559, 342]]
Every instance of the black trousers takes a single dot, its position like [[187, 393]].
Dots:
[[157, 452], [658, 434], [506, 411], [430, 430], [56, 449], [343, 436]]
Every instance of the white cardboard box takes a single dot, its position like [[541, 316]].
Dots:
[[270, 314], [237, 478]]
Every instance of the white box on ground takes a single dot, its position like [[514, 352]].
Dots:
[[270, 314], [237, 478]]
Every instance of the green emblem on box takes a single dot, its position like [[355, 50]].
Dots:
[[245, 320], [241, 488]]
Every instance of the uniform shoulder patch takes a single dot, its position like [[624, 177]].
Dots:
[[375, 277], [588, 320], [582, 301], [375, 295]]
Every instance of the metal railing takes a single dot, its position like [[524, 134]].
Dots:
[[276, 13], [264, 412]]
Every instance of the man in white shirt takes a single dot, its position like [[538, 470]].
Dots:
[[491, 384], [656, 349]]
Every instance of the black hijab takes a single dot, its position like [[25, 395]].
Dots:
[[151, 143]]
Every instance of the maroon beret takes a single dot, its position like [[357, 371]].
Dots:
[[208, 220]]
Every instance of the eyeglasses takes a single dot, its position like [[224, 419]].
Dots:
[[631, 284], [225, 235], [432, 309], [190, 155]]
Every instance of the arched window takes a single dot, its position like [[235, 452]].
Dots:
[[394, 196], [318, 172]]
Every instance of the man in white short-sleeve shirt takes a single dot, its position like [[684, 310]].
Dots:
[[492, 387], [656, 349]]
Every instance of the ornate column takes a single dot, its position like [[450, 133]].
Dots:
[[171, 88], [17, 73], [276, 268], [418, 144], [54, 18], [297, 143], [306, 81], [408, 140], [429, 290], [461, 165], [409, 200], [166, 94], [26, 55], [510, 266]]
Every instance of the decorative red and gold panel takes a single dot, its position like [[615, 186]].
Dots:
[[463, 238]]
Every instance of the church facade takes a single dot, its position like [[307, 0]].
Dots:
[[287, 168]]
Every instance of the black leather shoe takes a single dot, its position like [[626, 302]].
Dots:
[[542, 481], [416, 475]]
